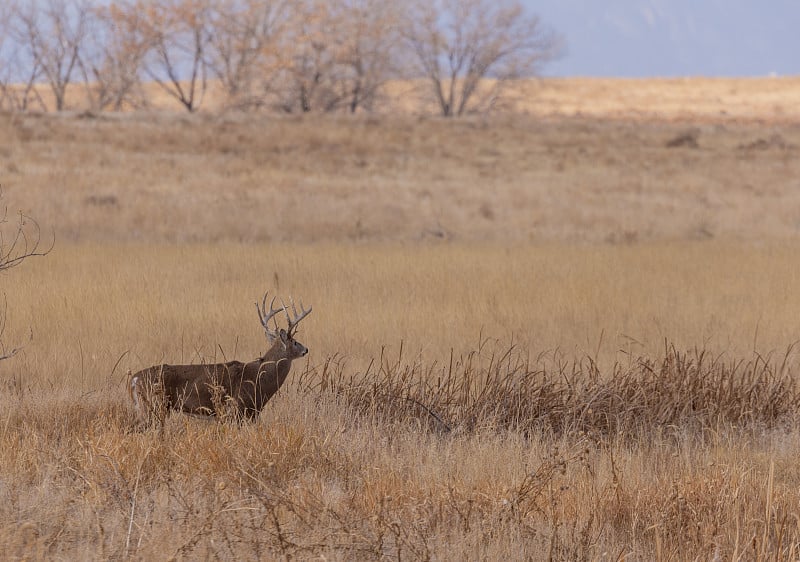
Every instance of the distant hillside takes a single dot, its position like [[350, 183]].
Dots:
[[695, 99], [685, 99]]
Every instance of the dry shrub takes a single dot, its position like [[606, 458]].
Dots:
[[503, 389], [314, 480]]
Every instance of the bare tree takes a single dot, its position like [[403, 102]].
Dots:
[[52, 32], [18, 76], [244, 53], [309, 52], [111, 62], [338, 54], [370, 39], [178, 35], [18, 79], [468, 50], [19, 240], [5, 53]]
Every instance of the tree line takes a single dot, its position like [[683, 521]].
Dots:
[[293, 56]]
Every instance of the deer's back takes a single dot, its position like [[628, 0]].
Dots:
[[189, 384], [183, 374]]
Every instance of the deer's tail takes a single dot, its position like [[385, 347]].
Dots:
[[133, 389]]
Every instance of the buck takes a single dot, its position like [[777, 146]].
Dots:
[[236, 389]]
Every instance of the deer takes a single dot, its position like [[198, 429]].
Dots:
[[232, 389]]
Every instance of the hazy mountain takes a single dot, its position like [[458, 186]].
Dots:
[[674, 37]]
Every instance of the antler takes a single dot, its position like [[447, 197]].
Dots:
[[265, 316], [293, 322]]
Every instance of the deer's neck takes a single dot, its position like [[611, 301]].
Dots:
[[273, 367], [275, 354]]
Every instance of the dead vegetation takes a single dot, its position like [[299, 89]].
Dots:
[[182, 179], [600, 448], [501, 389], [569, 431], [340, 471]]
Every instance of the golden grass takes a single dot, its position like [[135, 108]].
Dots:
[[155, 178], [609, 301], [694, 98], [321, 475], [583, 248]]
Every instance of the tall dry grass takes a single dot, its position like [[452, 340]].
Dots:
[[564, 339], [314, 480], [88, 304], [577, 443]]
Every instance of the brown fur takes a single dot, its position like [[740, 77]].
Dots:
[[233, 389]]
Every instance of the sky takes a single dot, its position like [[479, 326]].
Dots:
[[650, 38]]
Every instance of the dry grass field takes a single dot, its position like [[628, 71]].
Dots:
[[546, 336], [167, 177]]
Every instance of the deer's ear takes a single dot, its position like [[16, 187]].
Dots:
[[284, 335]]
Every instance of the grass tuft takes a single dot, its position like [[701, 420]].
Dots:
[[501, 388]]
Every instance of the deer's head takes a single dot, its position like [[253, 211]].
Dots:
[[290, 346]]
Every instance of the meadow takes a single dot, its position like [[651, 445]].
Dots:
[[533, 337]]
